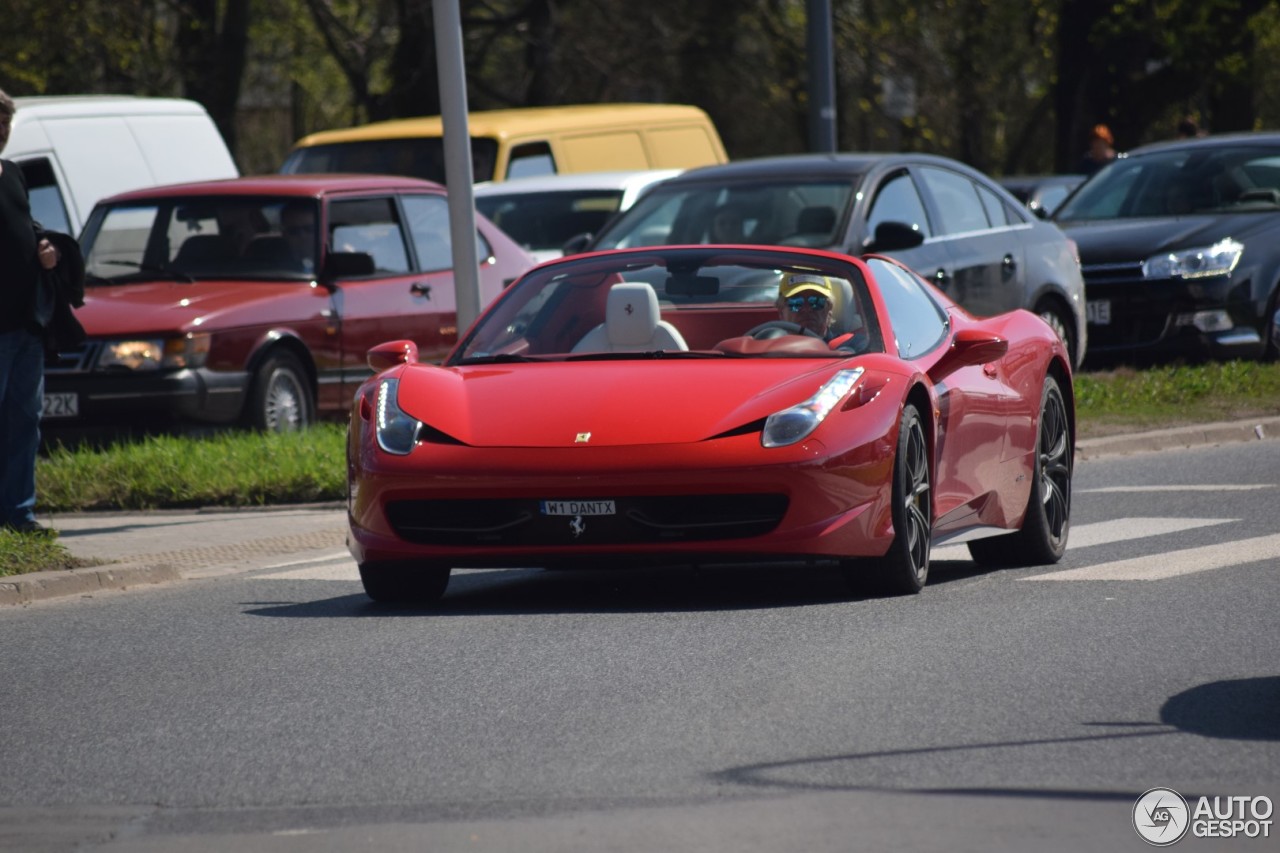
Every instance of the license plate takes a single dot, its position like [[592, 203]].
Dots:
[[578, 507], [65, 405], [1098, 311]]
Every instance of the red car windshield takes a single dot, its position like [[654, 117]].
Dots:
[[692, 303]]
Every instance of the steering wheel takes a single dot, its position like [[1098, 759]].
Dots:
[[778, 328]]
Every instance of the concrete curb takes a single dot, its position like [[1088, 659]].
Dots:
[[40, 586], [1199, 435]]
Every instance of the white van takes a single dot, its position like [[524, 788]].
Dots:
[[76, 149]]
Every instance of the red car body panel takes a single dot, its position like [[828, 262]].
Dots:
[[692, 428]]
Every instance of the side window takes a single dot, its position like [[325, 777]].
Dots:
[[918, 323], [532, 158], [898, 201], [956, 199], [369, 225], [47, 206], [428, 220], [995, 208]]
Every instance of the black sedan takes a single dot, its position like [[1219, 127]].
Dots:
[[1180, 244], [953, 224]]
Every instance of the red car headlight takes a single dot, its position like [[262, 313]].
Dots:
[[797, 422]]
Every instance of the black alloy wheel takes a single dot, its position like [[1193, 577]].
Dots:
[[904, 569]]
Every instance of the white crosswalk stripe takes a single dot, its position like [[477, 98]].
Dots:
[[1174, 563], [1106, 532], [1199, 487]]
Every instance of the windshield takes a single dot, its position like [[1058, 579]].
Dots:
[[545, 221], [673, 303], [191, 238], [1181, 182], [779, 213], [416, 157]]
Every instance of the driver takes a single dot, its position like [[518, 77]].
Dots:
[[807, 301]]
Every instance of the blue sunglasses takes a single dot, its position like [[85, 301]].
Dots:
[[815, 301]]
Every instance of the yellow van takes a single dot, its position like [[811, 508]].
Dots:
[[522, 142]]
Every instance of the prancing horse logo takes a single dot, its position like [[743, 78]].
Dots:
[[582, 438], [577, 526]]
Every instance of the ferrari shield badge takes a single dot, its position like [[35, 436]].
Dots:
[[583, 438]]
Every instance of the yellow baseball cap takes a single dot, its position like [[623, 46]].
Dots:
[[800, 282]]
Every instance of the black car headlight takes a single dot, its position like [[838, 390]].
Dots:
[[797, 422], [396, 432], [1219, 259]]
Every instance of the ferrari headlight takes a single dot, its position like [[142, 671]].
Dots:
[[1218, 259], [154, 353], [396, 431], [794, 424]]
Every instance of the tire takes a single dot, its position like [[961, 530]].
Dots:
[[1042, 539], [904, 569], [1271, 330], [280, 396], [404, 583], [1064, 329]]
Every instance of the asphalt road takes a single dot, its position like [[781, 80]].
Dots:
[[735, 710]]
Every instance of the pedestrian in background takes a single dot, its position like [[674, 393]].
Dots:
[[1101, 150], [1188, 128], [24, 309]]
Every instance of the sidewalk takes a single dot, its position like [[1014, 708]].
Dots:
[[138, 548]]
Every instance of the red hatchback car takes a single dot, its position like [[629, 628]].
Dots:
[[254, 300]]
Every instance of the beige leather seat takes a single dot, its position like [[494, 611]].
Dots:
[[632, 323]]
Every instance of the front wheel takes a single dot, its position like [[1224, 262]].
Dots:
[[404, 583], [905, 568], [1042, 539], [280, 395]]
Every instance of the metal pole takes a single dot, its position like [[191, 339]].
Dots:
[[457, 158], [822, 77]]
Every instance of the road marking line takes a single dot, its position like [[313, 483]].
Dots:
[[1174, 563], [1105, 532], [1233, 487]]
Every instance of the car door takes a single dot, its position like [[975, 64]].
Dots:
[[391, 301], [972, 419], [895, 198], [987, 257]]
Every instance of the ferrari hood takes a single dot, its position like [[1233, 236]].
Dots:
[[616, 402], [164, 306]]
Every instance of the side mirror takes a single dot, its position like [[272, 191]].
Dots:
[[348, 265], [969, 347], [577, 243], [894, 237], [389, 354]]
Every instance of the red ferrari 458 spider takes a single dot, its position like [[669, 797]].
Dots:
[[714, 404]]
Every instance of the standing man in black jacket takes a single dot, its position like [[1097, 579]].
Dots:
[[24, 309]]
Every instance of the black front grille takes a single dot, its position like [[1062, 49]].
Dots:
[[649, 519], [76, 360], [1141, 309]]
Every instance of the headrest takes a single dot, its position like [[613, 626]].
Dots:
[[632, 313]]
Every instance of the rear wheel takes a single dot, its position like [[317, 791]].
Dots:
[[404, 583], [905, 568], [1042, 538]]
